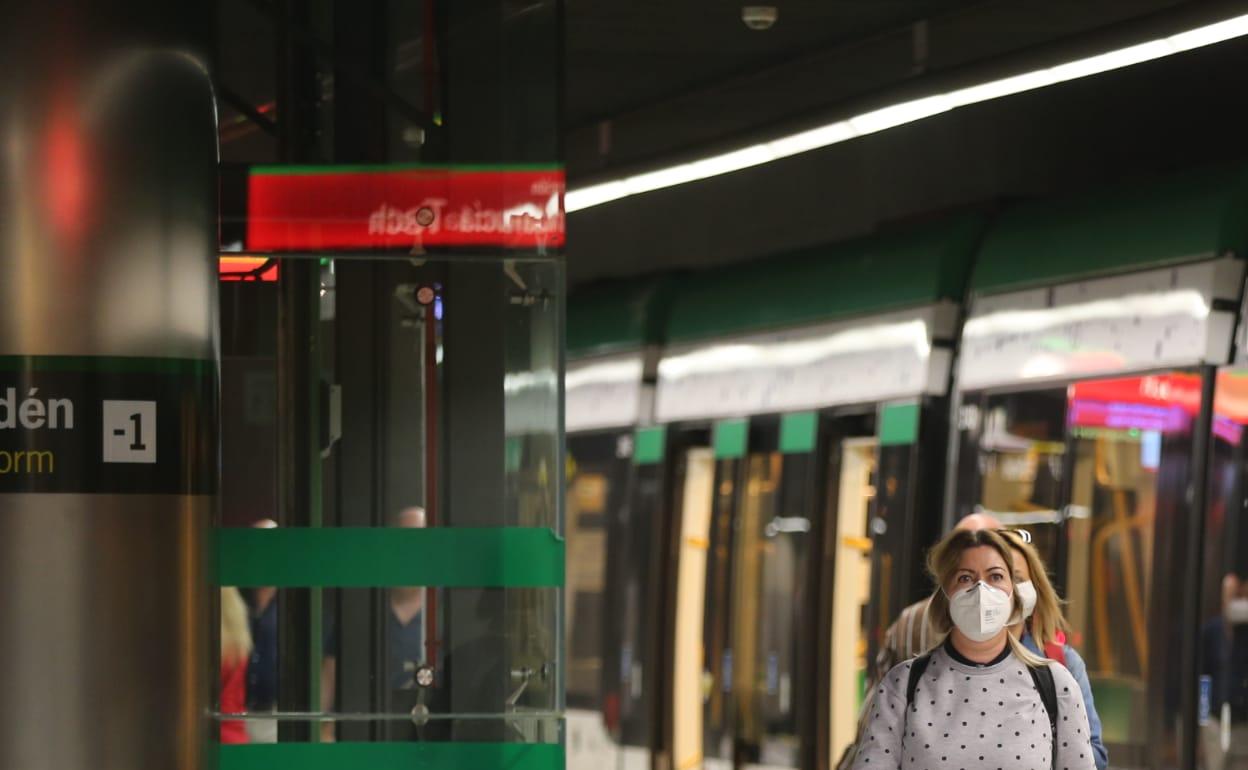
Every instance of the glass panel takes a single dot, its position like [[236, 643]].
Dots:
[[1123, 476], [771, 557], [386, 671], [718, 709], [1222, 712], [631, 658], [854, 490], [598, 472], [1131, 441], [1012, 462], [401, 393]]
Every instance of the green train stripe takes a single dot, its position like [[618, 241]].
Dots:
[[356, 557]]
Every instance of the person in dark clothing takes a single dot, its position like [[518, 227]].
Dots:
[[1224, 660]]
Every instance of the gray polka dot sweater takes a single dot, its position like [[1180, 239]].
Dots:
[[967, 717]]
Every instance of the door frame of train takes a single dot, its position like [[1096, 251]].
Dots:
[[665, 539], [835, 427]]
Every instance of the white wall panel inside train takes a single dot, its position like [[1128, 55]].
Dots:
[[1134, 322], [877, 358]]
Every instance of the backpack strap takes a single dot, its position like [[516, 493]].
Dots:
[[1043, 678], [916, 673]]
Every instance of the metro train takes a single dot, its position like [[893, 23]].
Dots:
[[759, 455]]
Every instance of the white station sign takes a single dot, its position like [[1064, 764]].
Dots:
[[868, 359], [1135, 322]]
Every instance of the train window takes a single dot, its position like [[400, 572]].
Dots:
[[1012, 462], [597, 477], [1222, 711], [1098, 472]]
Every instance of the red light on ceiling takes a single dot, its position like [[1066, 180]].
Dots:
[[247, 269]]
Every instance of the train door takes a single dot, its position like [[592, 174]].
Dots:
[[1222, 623], [716, 642], [853, 486], [771, 675], [1099, 472], [635, 626], [597, 477]]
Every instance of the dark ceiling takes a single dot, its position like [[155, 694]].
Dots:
[[626, 56], [649, 80]]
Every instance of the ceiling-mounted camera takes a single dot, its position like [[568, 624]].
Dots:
[[759, 17]]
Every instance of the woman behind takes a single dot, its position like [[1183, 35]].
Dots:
[[235, 652], [977, 702], [1044, 627]]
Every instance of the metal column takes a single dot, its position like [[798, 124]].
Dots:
[[108, 390]]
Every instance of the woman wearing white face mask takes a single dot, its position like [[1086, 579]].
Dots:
[[979, 699], [1044, 627]]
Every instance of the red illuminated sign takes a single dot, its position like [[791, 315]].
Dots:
[[247, 269], [392, 207]]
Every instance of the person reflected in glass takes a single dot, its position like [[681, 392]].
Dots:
[[405, 630], [978, 699], [235, 652], [1044, 627], [404, 645], [262, 668], [1224, 663]]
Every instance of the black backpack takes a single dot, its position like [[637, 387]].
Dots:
[[1041, 675]]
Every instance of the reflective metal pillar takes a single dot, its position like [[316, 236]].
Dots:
[[108, 391]]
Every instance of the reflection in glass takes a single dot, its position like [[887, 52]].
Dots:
[[718, 710], [769, 596], [1222, 710], [597, 470], [369, 360], [1108, 517]]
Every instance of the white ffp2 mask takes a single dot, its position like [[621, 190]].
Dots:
[[980, 611], [1027, 593]]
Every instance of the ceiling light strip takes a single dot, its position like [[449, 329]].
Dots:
[[899, 114]]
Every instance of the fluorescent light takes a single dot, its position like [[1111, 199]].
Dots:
[[1213, 33], [1123, 57], [995, 89], [900, 114], [812, 139]]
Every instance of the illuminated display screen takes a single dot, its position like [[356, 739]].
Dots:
[[326, 208]]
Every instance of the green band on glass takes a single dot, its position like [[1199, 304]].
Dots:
[[351, 557], [899, 424], [731, 439], [798, 432], [391, 756]]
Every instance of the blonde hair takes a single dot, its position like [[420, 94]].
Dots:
[[942, 565], [235, 630], [1047, 619]]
